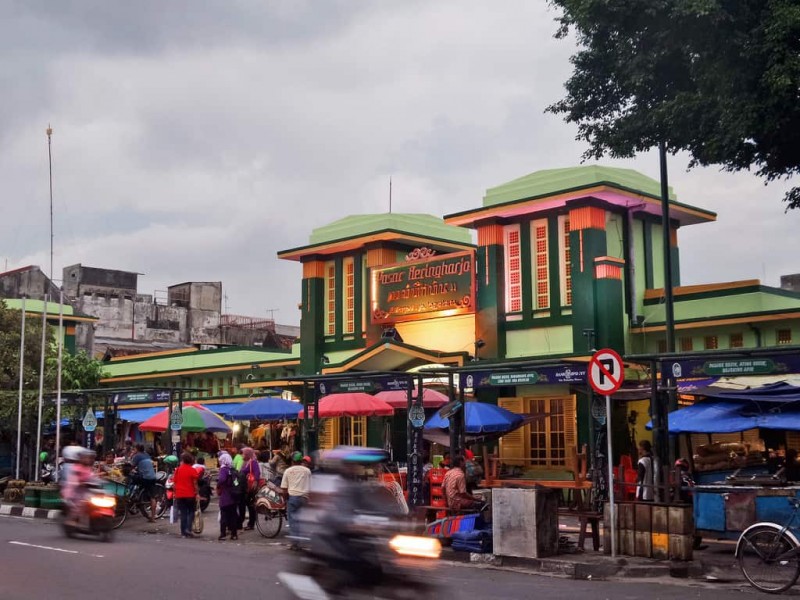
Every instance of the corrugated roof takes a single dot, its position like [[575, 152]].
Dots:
[[195, 360], [554, 181]]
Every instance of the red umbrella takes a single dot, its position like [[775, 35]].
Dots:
[[196, 417], [351, 404], [399, 398]]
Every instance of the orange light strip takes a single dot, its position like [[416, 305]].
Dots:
[[587, 217], [490, 235]]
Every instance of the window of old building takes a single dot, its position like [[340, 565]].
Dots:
[[513, 268], [349, 295], [330, 298], [710, 342], [783, 337], [541, 265], [565, 267], [546, 442], [687, 344], [737, 340]]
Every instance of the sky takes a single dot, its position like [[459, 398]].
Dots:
[[192, 141]]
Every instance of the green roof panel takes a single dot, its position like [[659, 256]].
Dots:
[[550, 182], [415, 224]]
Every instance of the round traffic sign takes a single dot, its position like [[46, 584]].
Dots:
[[606, 372]]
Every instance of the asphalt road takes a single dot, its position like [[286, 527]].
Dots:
[[37, 561]]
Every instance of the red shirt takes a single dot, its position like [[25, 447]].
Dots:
[[185, 478]]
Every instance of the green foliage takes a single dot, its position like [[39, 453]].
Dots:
[[717, 78], [78, 371]]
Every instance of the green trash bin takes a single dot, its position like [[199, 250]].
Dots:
[[32, 496], [50, 498]]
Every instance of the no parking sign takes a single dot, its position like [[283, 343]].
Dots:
[[606, 372]]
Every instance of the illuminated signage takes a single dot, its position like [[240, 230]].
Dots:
[[424, 289]]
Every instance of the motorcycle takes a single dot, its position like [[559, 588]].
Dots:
[[95, 514], [270, 509], [203, 486], [355, 541]]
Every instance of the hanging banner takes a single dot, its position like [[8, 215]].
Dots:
[[538, 376], [424, 289], [370, 386], [776, 364]]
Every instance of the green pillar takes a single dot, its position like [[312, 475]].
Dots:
[[312, 335], [489, 297], [587, 241], [609, 303]]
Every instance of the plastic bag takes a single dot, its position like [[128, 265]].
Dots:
[[197, 522]]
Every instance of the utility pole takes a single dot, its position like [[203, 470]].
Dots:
[[50, 167]]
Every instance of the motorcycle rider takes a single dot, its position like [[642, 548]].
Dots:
[[80, 472]]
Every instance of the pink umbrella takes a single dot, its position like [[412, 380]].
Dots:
[[399, 398], [351, 404]]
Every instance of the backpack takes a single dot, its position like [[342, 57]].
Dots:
[[238, 482]]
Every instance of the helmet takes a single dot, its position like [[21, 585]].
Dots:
[[43, 456], [171, 460], [72, 453], [86, 453], [297, 457], [682, 462]]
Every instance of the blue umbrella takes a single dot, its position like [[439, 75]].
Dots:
[[481, 418], [266, 409]]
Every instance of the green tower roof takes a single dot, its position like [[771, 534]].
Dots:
[[415, 224], [554, 181]]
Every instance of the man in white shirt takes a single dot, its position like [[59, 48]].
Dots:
[[296, 483]]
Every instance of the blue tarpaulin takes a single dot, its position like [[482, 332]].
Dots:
[[773, 406], [480, 417], [266, 409]]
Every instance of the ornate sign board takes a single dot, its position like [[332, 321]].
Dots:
[[432, 287], [89, 420], [149, 397]]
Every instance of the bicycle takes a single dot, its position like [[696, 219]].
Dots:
[[135, 500], [768, 554]]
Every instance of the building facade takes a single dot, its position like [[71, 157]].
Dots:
[[551, 266]]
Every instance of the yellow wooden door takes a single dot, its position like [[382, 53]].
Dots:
[[513, 445]]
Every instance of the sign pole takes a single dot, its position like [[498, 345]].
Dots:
[[21, 385], [611, 508], [606, 373]]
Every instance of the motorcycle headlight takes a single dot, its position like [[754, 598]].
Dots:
[[103, 501], [420, 547]]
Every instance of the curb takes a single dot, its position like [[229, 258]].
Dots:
[[9, 510], [571, 569]]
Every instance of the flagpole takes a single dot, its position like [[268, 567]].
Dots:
[[58, 384], [21, 383], [41, 388]]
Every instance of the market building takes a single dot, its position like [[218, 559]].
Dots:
[[551, 266]]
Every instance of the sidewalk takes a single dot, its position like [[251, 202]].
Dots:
[[714, 563]]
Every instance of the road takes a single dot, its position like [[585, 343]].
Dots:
[[37, 561]]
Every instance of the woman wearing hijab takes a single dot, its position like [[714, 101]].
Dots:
[[228, 509], [249, 466]]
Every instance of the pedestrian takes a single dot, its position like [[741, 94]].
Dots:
[[250, 472], [238, 458], [454, 486], [186, 492], [644, 473], [296, 484], [278, 464], [228, 514]]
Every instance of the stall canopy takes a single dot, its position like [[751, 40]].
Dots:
[[351, 404], [481, 418], [268, 408], [399, 398], [195, 418], [773, 406]]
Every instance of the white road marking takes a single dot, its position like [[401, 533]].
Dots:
[[52, 548]]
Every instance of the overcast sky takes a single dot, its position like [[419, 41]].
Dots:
[[194, 140]]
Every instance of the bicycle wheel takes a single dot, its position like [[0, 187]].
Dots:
[[769, 560], [160, 494], [120, 512], [268, 522]]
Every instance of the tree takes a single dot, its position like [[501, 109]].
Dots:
[[719, 79], [78, 371]]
